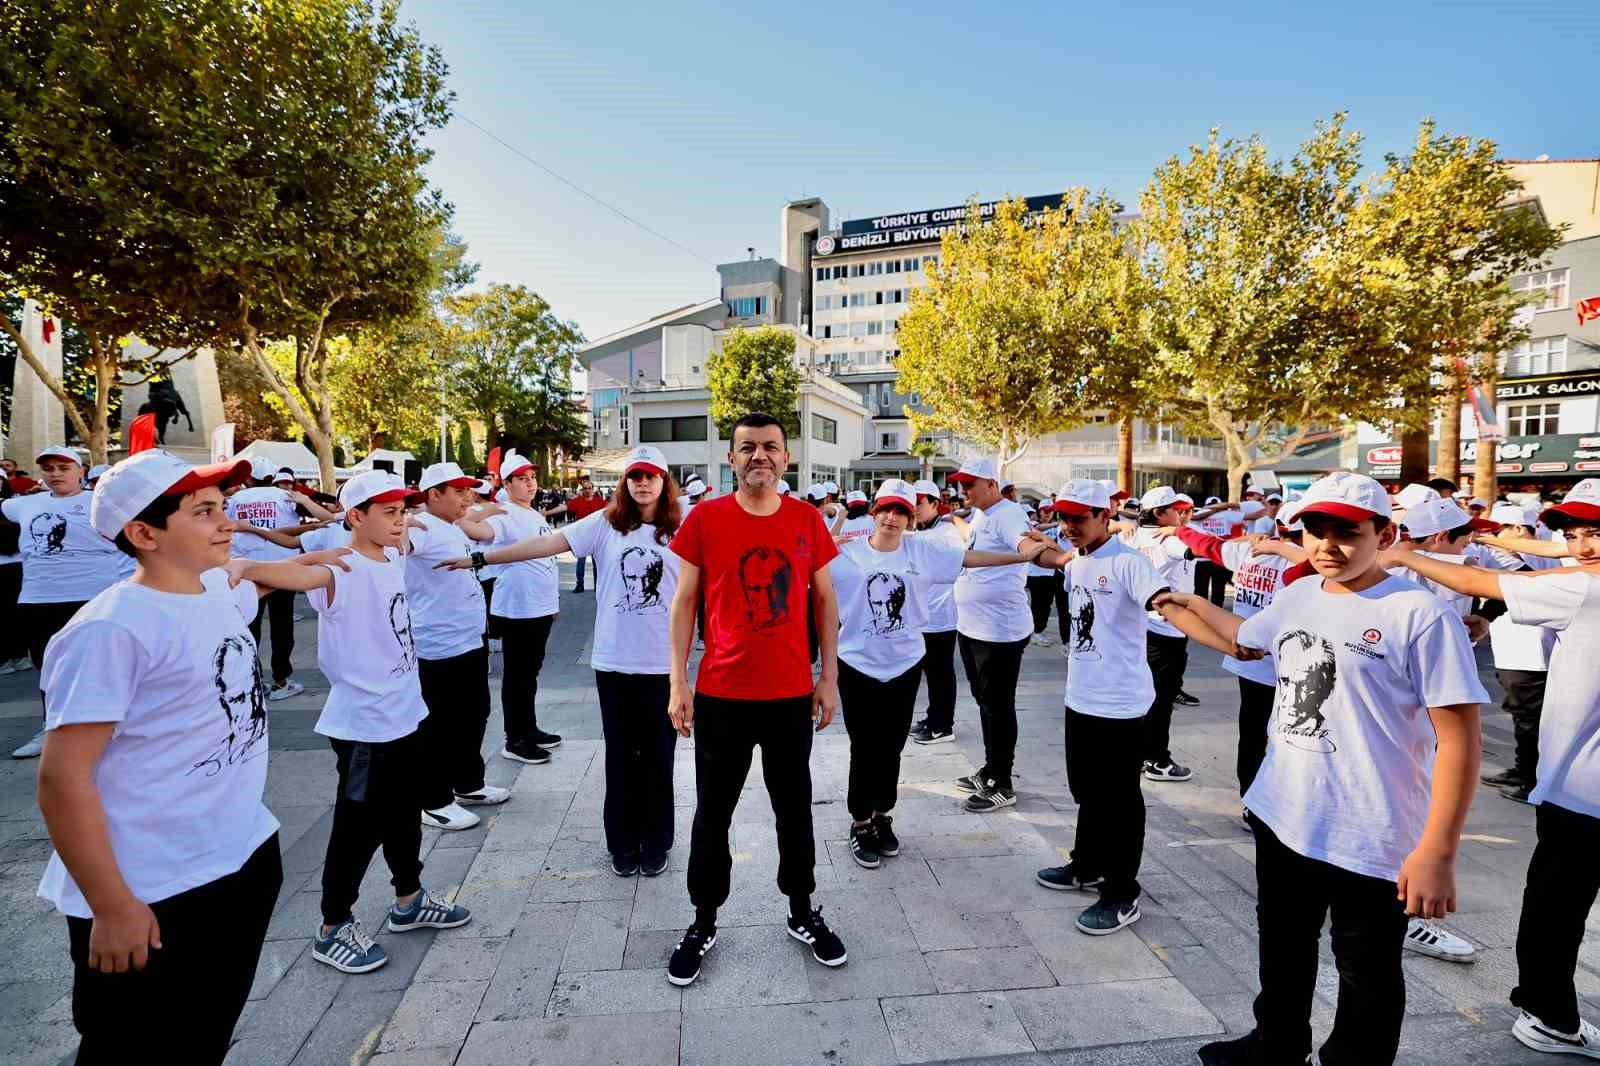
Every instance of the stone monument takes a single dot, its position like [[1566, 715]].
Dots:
[[188, 401], [37, 418]]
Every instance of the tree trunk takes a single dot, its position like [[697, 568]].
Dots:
[[1485, 480], [1413, 456], [51, 382], [322, 443], [1450, 425], [100, 440], [1125, 454]]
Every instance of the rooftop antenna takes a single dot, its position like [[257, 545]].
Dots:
[[752, 252]]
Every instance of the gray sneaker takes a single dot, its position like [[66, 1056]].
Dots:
[[426, 912], [349, 949]]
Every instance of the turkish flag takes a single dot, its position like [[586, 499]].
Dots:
[[494, 462], [1588, 309], [142, 434]]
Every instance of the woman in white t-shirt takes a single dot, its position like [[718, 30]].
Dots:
[[636, 577], [884, 583], [522, 611]]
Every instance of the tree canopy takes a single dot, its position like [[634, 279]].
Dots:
[[754, 370]]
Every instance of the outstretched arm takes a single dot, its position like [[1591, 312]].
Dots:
[[1543, 549], [1468, 580], [301, 574], [523, 550], [1203, 621]]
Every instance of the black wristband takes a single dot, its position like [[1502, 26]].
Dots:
[[478, 561]]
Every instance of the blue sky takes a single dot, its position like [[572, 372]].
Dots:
[[702, 120]]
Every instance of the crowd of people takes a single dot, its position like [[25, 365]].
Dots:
[[140, 591]]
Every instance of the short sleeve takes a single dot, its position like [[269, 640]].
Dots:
[[92, 673], [12, 516], [1235, 553], [823, 549], [1173, 548], [318, 597], [1260, 630], [1141, 579], [941, 561], [245, 595], [687, 544], [1552, 601], [1013, 526], [1441, 667], [587, 534]]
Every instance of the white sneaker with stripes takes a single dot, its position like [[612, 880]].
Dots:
[[1434, 940], [349, 949]]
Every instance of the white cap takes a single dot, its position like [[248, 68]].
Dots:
[[694, 487], [895, 491], [1004, 484], [1434, 516], [1461, 494], [1581, 504], [1113, 493], [98, 470], [1509, 514], [1275, 497], [1258, 492], [1344, 495], [645, 457], [1414, 494], [282, 474], [857, 497], [139, 480], [831, 488], [511, 463], [1160, 496], [1213, 499], [375, 486], [926, 488], [445, 474], [1484, 504], [1184, 500], [1295, 494], [59, 451], [783, 487], [1080, 496], [976, 469], [815, 492], [261, 468]]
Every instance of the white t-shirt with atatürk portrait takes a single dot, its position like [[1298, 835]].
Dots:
[[637, 578], [1108, 592], [883, 601], [366, 645], [1347, 775]]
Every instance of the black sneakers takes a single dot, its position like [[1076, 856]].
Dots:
[[686, 957], [926, 734], [1166, 771], [826, 947], [991, 798], [546, 740], [1517, 793], [652, 865], [1065, 878], [625, 865], [1104, 918], [864, 846], [1504, 778], [524, 751], [973, 782], [1185, 700], [888, 843]]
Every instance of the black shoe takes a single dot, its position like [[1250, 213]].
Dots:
[[864, 846], [546, 740], [826, 948], [1517, 793], [1065, 878], [926, 734], [1167, 771], [991, 799], [974, 782], [888, 843], [652, 865], [1237, 1052], [625, 865], [1105, 918], [1503, 778], [524, 751], [686, 957], [1185, 699]]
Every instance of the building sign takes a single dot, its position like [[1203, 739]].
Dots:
[[912, 227], [1549, 388], [1558, 454]]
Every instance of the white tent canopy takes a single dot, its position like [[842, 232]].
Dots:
[[397, 458], [291, 454]]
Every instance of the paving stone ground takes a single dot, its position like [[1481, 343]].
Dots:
[[955, 954]]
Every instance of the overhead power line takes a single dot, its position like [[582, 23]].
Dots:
[[569, 183]]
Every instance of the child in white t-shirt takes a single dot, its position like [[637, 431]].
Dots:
[[1168, 649], [1562, 880], [1370, 768], [166, 860], [366, 646]]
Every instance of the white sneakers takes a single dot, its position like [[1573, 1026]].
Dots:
[[16, 666], [450, 817], [487, 796], [32, 748], [1042, 641], [1434, 940], [289, 690], [1539, 1036]]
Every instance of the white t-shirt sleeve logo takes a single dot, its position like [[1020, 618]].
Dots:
[[1307, 671], [640, 570]]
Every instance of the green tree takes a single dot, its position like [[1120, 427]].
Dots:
[[507, 358], [754, 370], [247, 400], [463, 452]]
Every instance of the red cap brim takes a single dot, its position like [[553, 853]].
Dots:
[[1121, 494], [223, 475], [908, 508], [1346, 511], [1070, 507], [653, 468], [958, 478], [1566, 514], [1180, 505], [1483, 525]]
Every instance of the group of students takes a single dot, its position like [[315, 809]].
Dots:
[[1358, 725]]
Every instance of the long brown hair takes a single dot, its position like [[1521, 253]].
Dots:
[[624, 515]]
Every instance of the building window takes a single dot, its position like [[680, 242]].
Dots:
[[858, 299], [888, 442], [821, 474], [858, 270], [911, 264], [914, 399], [875, 267], [892, 266], [1541, 355], [858, 329], [748, 306], [666, 430], [822, 273], [874, 329], [929, 259], [1550, 285], [684, 471], [725, 479], [824, 429], [1533, 419]]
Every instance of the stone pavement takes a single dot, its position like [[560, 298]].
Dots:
[[955, 954]]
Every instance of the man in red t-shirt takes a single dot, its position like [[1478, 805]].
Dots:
[[758, 558], [584, 504]]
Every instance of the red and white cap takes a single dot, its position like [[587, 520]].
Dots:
[[1184, 500], [1080, 496], [831, 488], [926, 488], [895, 492], [694, 488], [976, 469], [1414, 494], [816, 492], [1274, 497], [645, 457], [139, 480], [1113, 493], [442, 474], [857, 498], [1160, 496], [1434, 516], [1341, 494], [511, 464], [60, 451], [376, 486], [1581, 506]]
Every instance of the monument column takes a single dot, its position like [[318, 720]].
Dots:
[[37, 418]]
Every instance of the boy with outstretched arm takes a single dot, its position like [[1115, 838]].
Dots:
[[1563, 878], [1370, 768]]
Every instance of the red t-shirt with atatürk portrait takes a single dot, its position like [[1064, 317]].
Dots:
[[756, 572]]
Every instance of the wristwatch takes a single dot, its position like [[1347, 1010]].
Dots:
[[478, 562]]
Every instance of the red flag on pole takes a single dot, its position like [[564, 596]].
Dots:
[[494, 462], [142, 434], [1588, 309], [1482, 407]]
